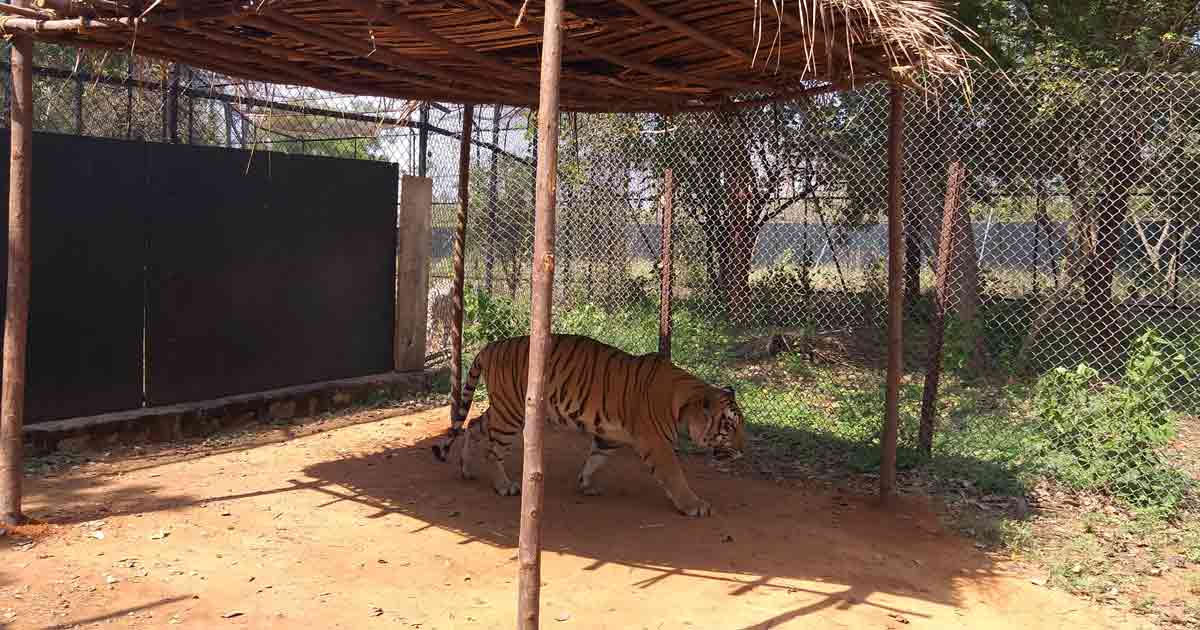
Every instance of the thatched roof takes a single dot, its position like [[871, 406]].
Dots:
[[619, 55]]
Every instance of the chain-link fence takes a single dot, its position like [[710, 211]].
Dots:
[[1052, 229]]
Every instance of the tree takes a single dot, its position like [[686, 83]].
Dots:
[[1104, 165], [734, 173]]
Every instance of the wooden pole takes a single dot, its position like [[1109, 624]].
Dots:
[[891, 423], [460, 244], [664, 295], [937, 325], [532, 477], [16, 320]]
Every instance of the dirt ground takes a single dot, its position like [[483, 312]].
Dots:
[[359, 527]]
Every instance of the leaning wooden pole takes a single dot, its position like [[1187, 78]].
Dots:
[[532, 477], [460, 248], [937, 325], [16, 319], [665, 272], [891, 422]]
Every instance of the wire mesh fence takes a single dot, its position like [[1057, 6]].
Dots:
[[1051, 271]]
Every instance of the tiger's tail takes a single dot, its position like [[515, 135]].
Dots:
[[459, 410]]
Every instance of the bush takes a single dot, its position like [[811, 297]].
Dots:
[[489, 317], [782, 293], [1108, 436]]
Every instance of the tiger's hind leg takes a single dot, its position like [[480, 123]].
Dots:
[[597, 457], [501, 436]]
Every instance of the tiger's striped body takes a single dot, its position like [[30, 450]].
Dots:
[[620, 399]]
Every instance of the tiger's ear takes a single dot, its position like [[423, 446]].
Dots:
[[729, 390]]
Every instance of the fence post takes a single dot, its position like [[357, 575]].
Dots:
[[129, 98], [191, 124], [460, 248], [895, 363], [171, 121], [540, 343], [412, 272], [228, 125], [937, 325], [78, 104], [666, 226], [489, 246], [16, 320], [423, 141]]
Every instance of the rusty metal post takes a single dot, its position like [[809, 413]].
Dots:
[[665, 277], [78, 103], [172, 109], [937, 324], [532, 477], [423, 142], [16, 320], [129, 68], [489, 244], [891, 422], [191, 124], [460, 244]]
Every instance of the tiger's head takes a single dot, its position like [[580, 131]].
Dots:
[[716, 422]]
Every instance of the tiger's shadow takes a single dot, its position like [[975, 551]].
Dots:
[[762, 531]]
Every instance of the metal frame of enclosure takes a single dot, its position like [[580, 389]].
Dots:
[[595, 55]]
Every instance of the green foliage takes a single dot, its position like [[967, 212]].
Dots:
[[1108, 436], [1139, 36], [783, 289], [489, 317]]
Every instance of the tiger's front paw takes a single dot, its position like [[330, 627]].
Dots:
[[587, 488], [507, 488], [696, 509]]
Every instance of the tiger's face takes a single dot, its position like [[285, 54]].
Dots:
[[717, 423]]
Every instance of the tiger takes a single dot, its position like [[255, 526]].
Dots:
[[619, 398]]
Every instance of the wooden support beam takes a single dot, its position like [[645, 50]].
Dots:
[[670, 23], [460, 248], [16, 318], [25, 12], [284, 71], [302, 31], [288, 56], [412, 272], [373, 11], [532, 26], [532, 474], [895, 361]]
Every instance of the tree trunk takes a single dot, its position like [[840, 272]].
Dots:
[[741, 231], [1077, 253], [912, 266], [735, 263], [1112, 208]]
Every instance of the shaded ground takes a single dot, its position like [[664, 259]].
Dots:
[[358, 527]]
